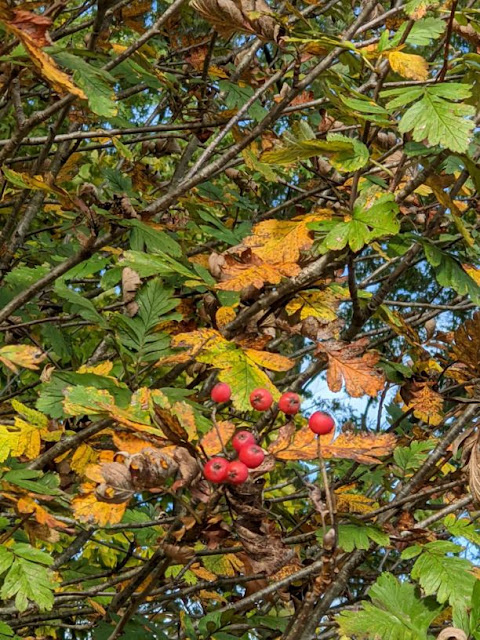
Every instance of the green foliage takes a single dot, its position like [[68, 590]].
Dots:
[[25, 577], [435, 116], [352, 536], [396, 612], [448, 578]]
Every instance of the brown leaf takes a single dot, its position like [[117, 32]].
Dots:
[[151, 467], [188, 468], [364, 448], [474, 471], [351, 365], [466, 346], [117, 486], [130, 283], [179, 555], [265, 549], [32, 25], [251, 271], [239, 16]]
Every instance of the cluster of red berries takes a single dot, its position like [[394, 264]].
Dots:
[[250, 455]]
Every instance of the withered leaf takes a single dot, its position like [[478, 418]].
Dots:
[[130, 283], [426, 403], [364, 448], [466, 346], [351, 365], [211, 443]]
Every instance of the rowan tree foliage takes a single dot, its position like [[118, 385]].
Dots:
[[278, 196]]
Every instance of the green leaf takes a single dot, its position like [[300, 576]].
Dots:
[[144, 236], [395, 612], [352, 536], [423, 31], [6, 631], [6, 559], [24, 478], [412, 7], [96, 84], [446, 577], [366, 224], [28, 552], [436, 117], [410, 458], [78, 303], [137, 335], [156, 264], [28, 581], [462, 528], [346, 154], [449, 273]]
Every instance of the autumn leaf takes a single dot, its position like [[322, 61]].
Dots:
[[32, 25], [352, 502], [251, 270], [87, 508], [238, 368], [349, 364], [363, 448], [20, 439], [427, 404], [238, 16], [21, 355], [27, 504], [408, 65], [211, 443], [46, 66], [130, 443], [224, 315], [320, 304], [466, 346], [281, 241], [82, 457]]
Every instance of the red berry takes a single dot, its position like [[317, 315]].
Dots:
[[321, 423], [289, 403], [237, 472], [216, 469], [242, 439], [261, 399], [252, 456], [221, 392]]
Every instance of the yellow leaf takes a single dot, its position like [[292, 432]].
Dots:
[[281, 241], [22, 355], [272, 361], [427, 404], [363, 448], [408, 65], [352, 502], [347, 364], [473, 272], [101, 369], [186, 417], [82, 457], [20, 439], [211, 443], [317, 304], [203, 573], [46, 65], [88, 509], [224, 315]]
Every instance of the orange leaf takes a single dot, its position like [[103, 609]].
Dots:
[[347, 364], [364, 448], [28, 505], [211, 443], [224, 315], [427, 404], [130, 443]]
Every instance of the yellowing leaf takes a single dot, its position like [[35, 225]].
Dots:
[[186, 417], [87, 508], [364, 448], [281, 241], [427, 404], [203, 573], [20, 439], [211, 443], [101, 369], [224, 315], [408, 65], [347, 364], [238, 368], [22, 355], [82, 457], [46, 65], [352, 502], [272, 361], [317, 304]]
